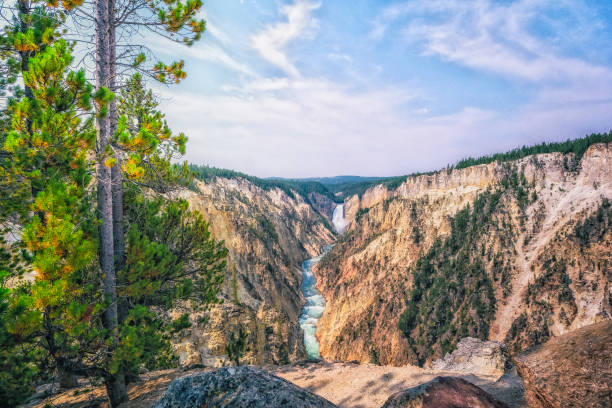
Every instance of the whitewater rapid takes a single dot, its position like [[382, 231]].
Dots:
[[313, 310]]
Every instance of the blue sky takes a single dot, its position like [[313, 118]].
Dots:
[[301, 88]]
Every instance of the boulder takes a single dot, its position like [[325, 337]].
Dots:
[[476, 357], [572, 370], [237, 387], [444, 392]]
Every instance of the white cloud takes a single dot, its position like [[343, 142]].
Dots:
[[309, 127], [272, 41], [340, 57], [489, 36], [216, 32], [291, 125], [205, 51]]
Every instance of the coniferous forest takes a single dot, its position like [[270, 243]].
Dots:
[[90, 258]]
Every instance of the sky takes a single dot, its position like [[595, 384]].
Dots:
[[299, 88]]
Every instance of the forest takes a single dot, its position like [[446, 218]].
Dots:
[[302, 187], [575, 146], [93, 251]]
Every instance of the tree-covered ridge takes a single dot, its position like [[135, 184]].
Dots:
[[452, 293], [207, 173], [341, 187], [577, 146]]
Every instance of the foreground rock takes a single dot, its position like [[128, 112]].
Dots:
[[237, 387], [574, 370], [444, 392], [476, 357]]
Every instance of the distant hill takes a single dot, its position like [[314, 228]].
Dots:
[[343, 186], [333, 181], [338, 188]]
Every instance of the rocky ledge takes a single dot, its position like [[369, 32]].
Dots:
[[573, 370], [476, 357], [251, 387]]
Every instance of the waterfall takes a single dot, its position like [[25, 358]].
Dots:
[[340, 223]]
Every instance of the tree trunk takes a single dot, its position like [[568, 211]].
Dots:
[[24, 25], [115, 382], [116, 176], [66, 379]]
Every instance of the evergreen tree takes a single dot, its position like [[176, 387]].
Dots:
[[67, 317], [174, 19], [144, 143], [50, 144], [62, 316], [237, 346]]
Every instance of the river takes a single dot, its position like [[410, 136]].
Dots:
[[315, 303]]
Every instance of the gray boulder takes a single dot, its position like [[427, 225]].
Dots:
[[444, 392], [237, 387], [476, 357]]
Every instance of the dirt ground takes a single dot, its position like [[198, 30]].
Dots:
[[346, 385], [364, 386]]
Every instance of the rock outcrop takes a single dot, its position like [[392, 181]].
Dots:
[[444, 392], [237, 387], [268, 234], [322, 204], [475, 357], [573, 370], [536, 265]]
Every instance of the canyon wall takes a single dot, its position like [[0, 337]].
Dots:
[[268, 233], [516, 251]]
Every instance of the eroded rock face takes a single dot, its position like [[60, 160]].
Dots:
[[573, 370], [238, 387], [476, 357], [546, 278], [444, 392], [268, 234], [322, 204]]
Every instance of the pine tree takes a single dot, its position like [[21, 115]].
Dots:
[[69, 313], [50, 145], [175, 19], [144, 142]]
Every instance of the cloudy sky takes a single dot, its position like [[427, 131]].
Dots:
[[301, 88]]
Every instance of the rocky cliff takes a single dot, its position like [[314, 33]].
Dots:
[[268, 233], [572, 370], [517, 251]]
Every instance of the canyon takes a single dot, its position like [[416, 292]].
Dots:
[[533, 251], [518, 251], [268, 234], [357, 296]]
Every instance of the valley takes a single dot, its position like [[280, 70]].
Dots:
[[490, 251], [412, 209], [356, 297], [515, 251]]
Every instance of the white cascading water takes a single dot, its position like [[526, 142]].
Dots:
[[340, 223]]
